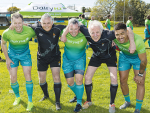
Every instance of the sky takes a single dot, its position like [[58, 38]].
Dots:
[[5, 4]]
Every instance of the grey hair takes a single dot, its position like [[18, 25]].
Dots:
[[73, 21], [16, 15], [46, 15], [95, 23]]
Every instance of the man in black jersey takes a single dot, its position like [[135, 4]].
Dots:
[[100, 41]]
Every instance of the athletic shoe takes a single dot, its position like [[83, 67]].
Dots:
[[112, 108], [58, 107], [73, 100], [30, 106], [17, 101], [126, 104], [77, 108], [87, 104], [45, 97], [137, 111]]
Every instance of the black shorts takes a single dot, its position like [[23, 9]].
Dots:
[[42, 64], [110, 62]]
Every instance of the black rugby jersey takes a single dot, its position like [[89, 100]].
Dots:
[[48, 40], [102, 48]]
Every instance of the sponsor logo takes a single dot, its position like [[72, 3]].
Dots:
[[40, 34]]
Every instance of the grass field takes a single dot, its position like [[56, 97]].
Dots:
[[100, 94]]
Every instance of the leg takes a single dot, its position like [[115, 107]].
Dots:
[[57, 85], [124, 87], [43, 84], [29, 86], [114, 83], [140, 91], [14, 84], [79, 88], [88, 85]]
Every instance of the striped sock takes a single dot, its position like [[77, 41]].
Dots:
[[15, 87], [138, 104], [29, 88], [127, 98]]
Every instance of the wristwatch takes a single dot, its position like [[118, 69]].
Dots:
[[141, 75]]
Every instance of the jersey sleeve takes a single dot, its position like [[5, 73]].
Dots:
[[141, 48], [111, 35], [85, 31], [34, 26]]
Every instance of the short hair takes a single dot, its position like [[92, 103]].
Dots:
[[120, 26], [95, 23], [130, 17], [79, 15], [16, 15], [83, 16], [148, 17], [73, 21], [108, 15], [46, 15]]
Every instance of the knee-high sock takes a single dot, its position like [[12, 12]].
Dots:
[[127, 98], [138, 104], [88, 88], [44, 88], [73, 88], [79, 93], [113, 91], [144, 40], [57, 90], [29, 88], [15, 87]]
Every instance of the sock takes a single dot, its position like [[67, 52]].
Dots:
[[73, 88], [113, 91], [29, 88], [127, 98], [88, 88], [138, 104], [44, 88], [144, 40], [79, 93], [149, 43], [15, 87], [57, 90]]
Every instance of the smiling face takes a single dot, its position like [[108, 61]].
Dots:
[[73, 29], [46, 24], [121, 35], [18, 24], [95, 32]]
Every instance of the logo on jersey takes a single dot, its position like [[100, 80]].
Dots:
[[89, 42], [40, 34], [54, 35]]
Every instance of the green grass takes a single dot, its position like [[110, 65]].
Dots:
[[100, 94]]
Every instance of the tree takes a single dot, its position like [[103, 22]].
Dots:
[[88, 9], [83, 9], [13, 9]]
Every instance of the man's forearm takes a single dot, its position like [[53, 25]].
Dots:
[[142, 66], [4, 48]]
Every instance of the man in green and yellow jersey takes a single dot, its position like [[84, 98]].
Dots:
[[129, 23], [147, 30], [107, 23], [126, 60], [18, 51]]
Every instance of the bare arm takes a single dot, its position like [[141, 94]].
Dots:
[[132, 47], [4, 48], [143, 64], [63, 36]]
